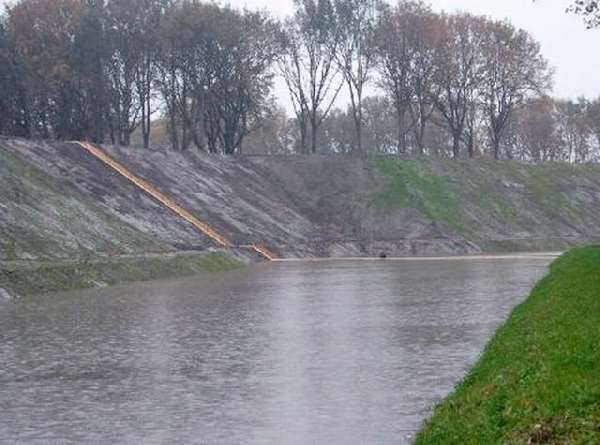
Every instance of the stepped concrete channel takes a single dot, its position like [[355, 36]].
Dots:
[[307, 207]]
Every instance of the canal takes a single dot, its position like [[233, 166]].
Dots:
[[307, 352]]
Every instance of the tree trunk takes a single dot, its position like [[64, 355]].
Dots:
[[198, 125], [146, 121], [173, 127], [455, 144], [419, 138], [401, 133], [471, 145], [303, 136], [185, 138], [496, 146], [359, 124], [314, 128], [356, 102], [359, 147], [228, 139]]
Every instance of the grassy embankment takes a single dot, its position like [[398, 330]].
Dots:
[[44, 217], [53, 238], [539, 379], [479, 200], [51, 277]]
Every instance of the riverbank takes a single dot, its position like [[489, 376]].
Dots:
[[22, 279], [539, 379]]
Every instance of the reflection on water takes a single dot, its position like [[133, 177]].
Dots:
[[333, 352]]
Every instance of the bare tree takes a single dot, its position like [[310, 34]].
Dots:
[[355, 27], [14, 112], [393, 43], [459, 72], [124, 34], [514, 70], [379, 130], [169, 78], [290, 67], [273, 136], [537, 130], [241, 94], [473, 123], [307, 64], [380, 135], [575, 130], [427, 43], [146, 70], [593, 117]]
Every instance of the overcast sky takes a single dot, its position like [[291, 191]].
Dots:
[[572, 49]]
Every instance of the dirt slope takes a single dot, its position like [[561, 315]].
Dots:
[[296, 206]]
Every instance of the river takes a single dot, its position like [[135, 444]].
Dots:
[[346, 352]]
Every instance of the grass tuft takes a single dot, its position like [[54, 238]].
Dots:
[[60, 277]]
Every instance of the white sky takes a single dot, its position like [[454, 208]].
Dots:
[[571, 48]]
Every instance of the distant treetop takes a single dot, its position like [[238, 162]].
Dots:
[[590, 9]]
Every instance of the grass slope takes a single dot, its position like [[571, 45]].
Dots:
[[58, 277], [539, 379], [485, 201], [42, 217]]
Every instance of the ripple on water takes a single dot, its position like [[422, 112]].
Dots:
[[351, 352]]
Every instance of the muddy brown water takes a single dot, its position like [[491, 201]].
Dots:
[[328, 352]]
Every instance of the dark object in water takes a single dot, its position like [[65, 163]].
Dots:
[[383, 255]]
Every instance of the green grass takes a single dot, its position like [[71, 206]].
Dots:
[[59, 277], [413, 184], [539, 378], [42, 216], [477, 198]]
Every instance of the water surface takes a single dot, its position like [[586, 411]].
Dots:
[[327, 352]]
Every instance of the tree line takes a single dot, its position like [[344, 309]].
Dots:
[[99, 70], [541, 130], [417, 81], [460, 72]]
